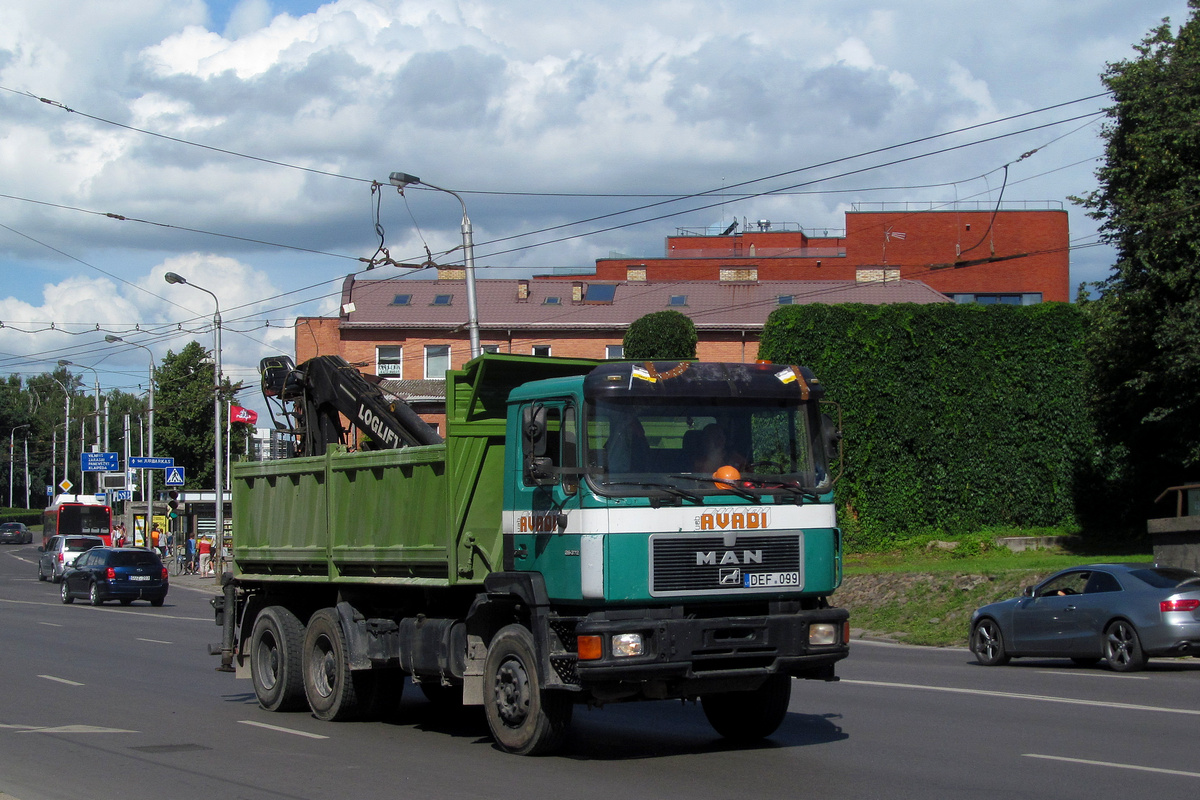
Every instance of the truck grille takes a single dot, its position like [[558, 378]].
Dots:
[[709, 565]]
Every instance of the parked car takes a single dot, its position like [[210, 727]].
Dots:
[[60, 552], [1122, 614], [15, 533], [116, 573]]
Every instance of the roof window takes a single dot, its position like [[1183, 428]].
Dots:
[[443, 299], [402, 299]]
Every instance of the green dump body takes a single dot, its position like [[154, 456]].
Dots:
[[422, 516]]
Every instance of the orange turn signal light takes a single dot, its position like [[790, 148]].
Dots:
[[589, 648]]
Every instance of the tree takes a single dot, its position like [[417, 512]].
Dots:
[[1144, 337], [661, 336], [184, 420]]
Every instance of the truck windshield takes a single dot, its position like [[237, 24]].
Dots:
[[644, 446]]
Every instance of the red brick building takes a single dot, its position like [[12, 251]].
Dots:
[[411, 331], [727, 281], [1014, 255]]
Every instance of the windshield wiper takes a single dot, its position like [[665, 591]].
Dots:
[[724, 484], [670, 489], [773, 483]]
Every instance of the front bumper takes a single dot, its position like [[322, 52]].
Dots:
[[691, 656]]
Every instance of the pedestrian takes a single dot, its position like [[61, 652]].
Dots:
[[191, 555], [205, 549]]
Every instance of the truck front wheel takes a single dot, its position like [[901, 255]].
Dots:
[[524, 718], [749, 716], [275, 643], [328, 681]]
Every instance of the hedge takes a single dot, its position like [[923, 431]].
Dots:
[[956, 417]]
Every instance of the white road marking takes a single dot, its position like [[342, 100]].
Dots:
[[76, 729], [282, 730], [55, 624], [1092, 674], [157, 641], [1193, 712], [1115, 765], [61, 680], [111, 610]]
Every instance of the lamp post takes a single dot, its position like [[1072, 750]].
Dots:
[[219, 484], [402, 179], [66, 431], [149, 474], [11, 444], [65, 363]]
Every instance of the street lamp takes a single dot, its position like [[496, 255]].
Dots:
[[65, 363], [11, 443], [219, 486], [66, 431], [402, 179], [149, 474]]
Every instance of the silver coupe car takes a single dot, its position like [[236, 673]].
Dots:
[[1122, 614]]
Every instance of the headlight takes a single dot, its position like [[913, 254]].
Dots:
[[627, 644], [822, 633]]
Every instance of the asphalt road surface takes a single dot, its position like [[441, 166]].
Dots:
[[124, 702]]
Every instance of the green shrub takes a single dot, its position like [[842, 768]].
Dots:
[[956, 417], [661, 336]]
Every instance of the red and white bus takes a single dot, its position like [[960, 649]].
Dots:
[[72, 515]]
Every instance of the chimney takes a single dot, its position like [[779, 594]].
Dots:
[[522, 290], [576, 292]]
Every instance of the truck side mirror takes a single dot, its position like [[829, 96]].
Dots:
[[533, 431], [831, 437], [538, 467]]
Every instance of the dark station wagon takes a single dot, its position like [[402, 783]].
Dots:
[[116, 573]]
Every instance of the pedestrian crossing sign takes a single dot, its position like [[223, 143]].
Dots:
[[174, 476]]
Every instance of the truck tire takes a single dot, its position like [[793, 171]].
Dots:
[[749, 716], [524, 719], [275, 643], [330, 685]]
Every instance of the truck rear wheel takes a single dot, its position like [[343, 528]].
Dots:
[[329, 683], [524, 718], [275, 642], [749, 716]]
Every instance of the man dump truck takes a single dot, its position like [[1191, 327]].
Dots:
[[560, 545]]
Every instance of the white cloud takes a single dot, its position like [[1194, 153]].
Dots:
[[512, 96]]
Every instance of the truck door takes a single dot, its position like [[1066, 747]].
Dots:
[[547, 497]]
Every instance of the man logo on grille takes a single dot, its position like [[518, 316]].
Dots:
[[731, 577]]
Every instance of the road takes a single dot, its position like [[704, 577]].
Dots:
[[117, 702]]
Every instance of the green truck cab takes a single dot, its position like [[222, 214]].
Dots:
[[588, 532]]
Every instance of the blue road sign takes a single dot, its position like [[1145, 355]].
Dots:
[[151, 462], [98, 462], [122, 494], [174, 476]]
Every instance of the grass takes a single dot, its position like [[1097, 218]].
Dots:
[[925, 595]]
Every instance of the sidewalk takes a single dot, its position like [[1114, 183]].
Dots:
[[195, 583]]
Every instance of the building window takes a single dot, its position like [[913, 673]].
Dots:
[[614, 351], [437, 361], [402, 299], [876, 275], [443, 299], [785, 299], [541, 350], [990, 299], [389, 361], [600, 293], [677, 300], [552, 301], [490, 348], [739, 274]]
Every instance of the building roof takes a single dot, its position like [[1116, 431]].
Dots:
[[711, 305]]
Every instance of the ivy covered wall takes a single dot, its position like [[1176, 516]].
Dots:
[[955, 417]]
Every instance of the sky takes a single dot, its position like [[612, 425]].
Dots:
[[247, 145]]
